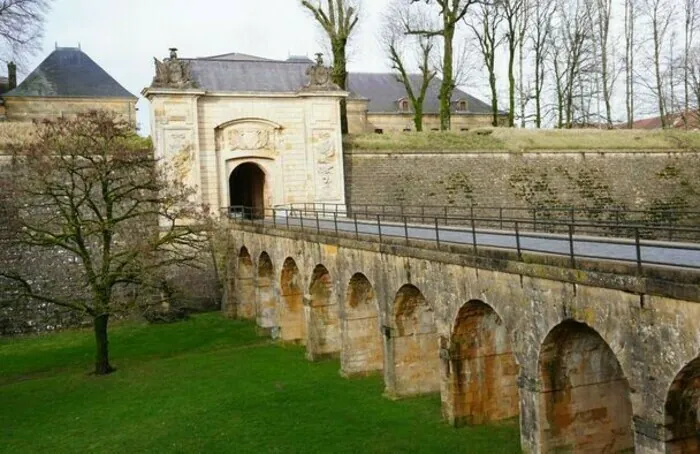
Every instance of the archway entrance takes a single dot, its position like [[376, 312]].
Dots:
[[585, 397], [247, 189]]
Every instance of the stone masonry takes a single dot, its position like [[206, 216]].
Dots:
[[596, 359]]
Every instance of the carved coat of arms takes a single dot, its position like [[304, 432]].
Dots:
[[172, 72]]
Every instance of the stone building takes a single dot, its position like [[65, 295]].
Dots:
[[66, 83], [378, 103], [245, 131]]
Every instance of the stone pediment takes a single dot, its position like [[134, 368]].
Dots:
[[251, 135]]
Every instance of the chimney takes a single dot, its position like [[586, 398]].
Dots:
[[11, 75]]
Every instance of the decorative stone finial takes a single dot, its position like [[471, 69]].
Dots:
[[173, 53], [319, 76], [319, 59]]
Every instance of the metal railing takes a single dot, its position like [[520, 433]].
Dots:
[[519, 235], [663, 223]]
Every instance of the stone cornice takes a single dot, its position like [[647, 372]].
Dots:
[[149, 92]]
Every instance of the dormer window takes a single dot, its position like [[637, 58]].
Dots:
[[461, 105], [404, 105]]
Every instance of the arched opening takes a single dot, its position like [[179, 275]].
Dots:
[[323, 330], [244, 288], [362, 349], [414, 345], [584, 398], [292, 322], [266, 303], [683, 410], [483, 378], [247, 190]]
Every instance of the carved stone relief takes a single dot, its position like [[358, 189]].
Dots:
[[179, 153], [247, 135], [326, 157]]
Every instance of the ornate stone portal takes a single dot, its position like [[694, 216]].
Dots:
[[207, 121]]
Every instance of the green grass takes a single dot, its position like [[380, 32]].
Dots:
[[210, 385], [527, 139]]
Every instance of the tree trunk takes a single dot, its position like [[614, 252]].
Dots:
[[340, 77], [494, 95], [447, 78], [102, 366], [511, 85]]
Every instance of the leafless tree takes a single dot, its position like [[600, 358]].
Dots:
[[338, 20], [541, 14], [691, 9], [21, 27], [395, 40], [659, 15], [90, 192], [451, 13], [630, 50], [601, 13], [484, 22], [514, 15]]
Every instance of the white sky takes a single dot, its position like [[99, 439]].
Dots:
[[124, 36]]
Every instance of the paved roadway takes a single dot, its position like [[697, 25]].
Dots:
[[617, 249]]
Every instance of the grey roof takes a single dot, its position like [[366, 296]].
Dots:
[[69, 72], [384, 92], [248, 75], [254, 74], [237, 56]]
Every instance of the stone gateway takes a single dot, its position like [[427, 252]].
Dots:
[[249, 138]]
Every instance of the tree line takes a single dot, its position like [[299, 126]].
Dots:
[[564, 63]]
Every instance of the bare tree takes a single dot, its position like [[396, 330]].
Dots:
[[451, 12], [395, 40], [90, 192], [514, 15], [21, 27], [630, 50], [541, 28], [484, 23], [601, 12], [690, 15], [659, 14], [338, 20]]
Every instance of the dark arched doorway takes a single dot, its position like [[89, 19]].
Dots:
[[247, 190]]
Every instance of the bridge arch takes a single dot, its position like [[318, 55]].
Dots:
[[482, 374], [413, 359], [244, 286], [265, 294], [682, 410], [292, 321], [323, 324], [362, 348], [584, 398]]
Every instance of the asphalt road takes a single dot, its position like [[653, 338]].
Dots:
[[685, 255]]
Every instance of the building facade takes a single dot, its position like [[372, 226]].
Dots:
[[66, 83], [249, 137]]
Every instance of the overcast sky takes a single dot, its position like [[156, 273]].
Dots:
[[123, 37]]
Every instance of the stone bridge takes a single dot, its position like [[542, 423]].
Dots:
[[597, 359]]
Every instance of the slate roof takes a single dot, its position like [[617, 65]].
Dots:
[[233, 73], [69, 72]]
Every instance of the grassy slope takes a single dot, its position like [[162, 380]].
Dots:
[[528, 139], [210, 385]]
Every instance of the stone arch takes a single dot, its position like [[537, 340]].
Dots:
[[323, 327], [362, 347], [482, 379], [291, 311], [414, 359], [584, 396], [247, 190], [265, 295], [244, 286], [683, 410]]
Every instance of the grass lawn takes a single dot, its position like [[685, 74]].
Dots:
[[210, 385], [519, 140]]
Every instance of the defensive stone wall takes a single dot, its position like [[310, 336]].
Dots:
[[600, 179]]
